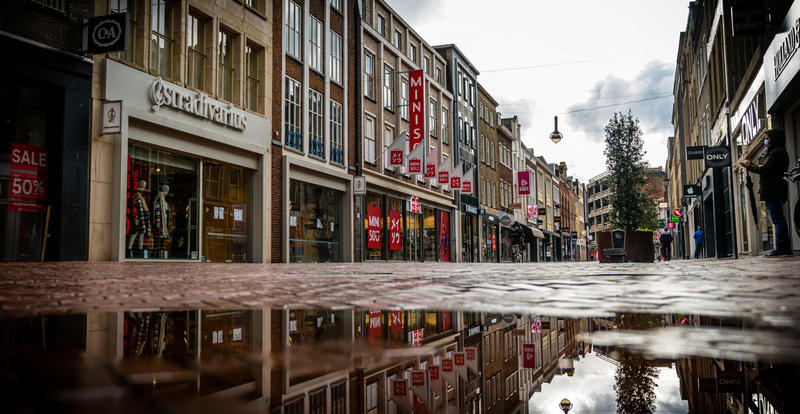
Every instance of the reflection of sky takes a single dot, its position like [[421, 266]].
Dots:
[[591, 390]]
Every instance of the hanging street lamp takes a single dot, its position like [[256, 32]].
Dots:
[[556, 136], [565, 404]]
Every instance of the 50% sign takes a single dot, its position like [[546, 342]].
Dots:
[[27, 186]]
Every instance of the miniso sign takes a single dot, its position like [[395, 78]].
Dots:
[[166, 94]]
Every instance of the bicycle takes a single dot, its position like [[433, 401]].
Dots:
[[516, 254], [793, 176]]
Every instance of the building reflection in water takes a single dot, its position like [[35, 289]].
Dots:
[[342, 361]]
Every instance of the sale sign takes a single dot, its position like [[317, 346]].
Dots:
[[523, 182], [24, 186], [28, 158], [373, 227], [395, 239], [528, 356], [416, 106]]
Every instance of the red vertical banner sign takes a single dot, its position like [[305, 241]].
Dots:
[[373, 227], [528, 356], [396, 322], [416, 103], [446, 324], [375, 324], [395, 239], [444, 236], [524, 182]]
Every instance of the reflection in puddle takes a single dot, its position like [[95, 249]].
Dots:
[[376, 361]]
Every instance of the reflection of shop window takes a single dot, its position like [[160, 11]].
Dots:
[[372, 397], [295, 406], [317, 401], [338, 398]]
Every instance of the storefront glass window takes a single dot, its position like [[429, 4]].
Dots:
[[310, 326], [744, 212], [315, 223], [468, 235], [25, 191], [374, 230], [429, 235], [394, 228], [444, 236], [161, 209], [225, 213], [489, 242], [505, 245], [413, 236]]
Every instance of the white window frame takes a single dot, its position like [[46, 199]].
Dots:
[[315, 44], [404, 98], [388, 87], [388, 129], [293, 30], [315, 126], [432, 118], [444, 137], [293, 109], [380, 25], [335, 56], [369, 139], [337, 130], [369, 74]]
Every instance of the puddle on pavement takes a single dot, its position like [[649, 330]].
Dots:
[[394, 361]]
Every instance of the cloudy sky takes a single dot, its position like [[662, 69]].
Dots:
[[579, 59], [591, 390]]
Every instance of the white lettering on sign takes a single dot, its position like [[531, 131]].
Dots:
[[163, 93], [106, 33], [717, 157], [787, 49]]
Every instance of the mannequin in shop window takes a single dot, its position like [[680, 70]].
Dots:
[[139, 220], [162, 222]]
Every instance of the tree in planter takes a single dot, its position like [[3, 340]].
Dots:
[[631, 207]]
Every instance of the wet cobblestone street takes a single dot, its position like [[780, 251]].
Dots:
[[763, 289]]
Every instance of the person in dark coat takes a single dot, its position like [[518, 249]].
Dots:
[[665, 238], [773, 190]]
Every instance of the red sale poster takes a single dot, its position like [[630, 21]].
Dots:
[[395, 234]]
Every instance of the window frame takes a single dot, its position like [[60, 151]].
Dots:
[[335, 57], [316, 129], [369, 74], [295, 107], [316, 45], [293, 30]]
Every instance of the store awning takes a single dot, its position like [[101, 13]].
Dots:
[[549, 233], [537, 233]]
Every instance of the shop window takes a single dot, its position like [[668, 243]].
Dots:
[[429, 235], [338, 398], [369, 75], [414, 236], [167, 335], [227, 80], [254, 56], [133, 8], [315, 223], [395, 230], [444, 236], [318, 401], [372, 397], [374, 227], [162, 206], [161, 37], [225, 334], [225, 213]]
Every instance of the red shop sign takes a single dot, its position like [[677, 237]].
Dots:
[[396, 321], [375, 324], [395, 239], [28, 158], [414, 166], [417, 108], [373, 227], [529, 356]]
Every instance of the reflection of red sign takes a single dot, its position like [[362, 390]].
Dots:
[[396, 321], [399, 388], [417, 378], [466, 187], [455, 182], [445, 321], [444, 177], [444, 236], [23, 207], [529, 356], [395, 239], [470, 352], [416, 108], [430, 170], [447, 365], [414, 205], [459, 358], [373, 227], [28, 158], [24, 186], [415, 337], [414, 166], [396, 157], [494, 241], [524, 182], [375, 324]]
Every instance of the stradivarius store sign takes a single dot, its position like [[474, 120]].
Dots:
[[166, 94]]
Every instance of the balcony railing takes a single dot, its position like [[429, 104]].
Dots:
[[316, 147], [294, 138]]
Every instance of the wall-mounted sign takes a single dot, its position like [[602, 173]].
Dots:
[[717, 157], [695, 153], [523, 182], [542, 211], [515, 206], [528, 355], [107, 33], [166, 94], [359, 185], [781, 63], [692, 191], [112, 117], [470, 209]]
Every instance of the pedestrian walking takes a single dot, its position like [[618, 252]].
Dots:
[[773, 190], [665, 238], [698, 242]]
